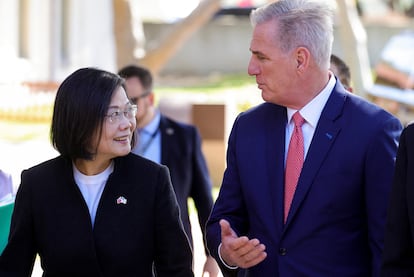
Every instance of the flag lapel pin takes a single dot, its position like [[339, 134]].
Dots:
[[121, 200]]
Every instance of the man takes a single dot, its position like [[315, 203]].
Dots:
[[176, 145], [326, 216], [342, 71], [398, 255]]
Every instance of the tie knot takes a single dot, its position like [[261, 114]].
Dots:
[[298, 120]]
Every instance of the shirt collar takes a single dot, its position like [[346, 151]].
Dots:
[[312, 111], [154, 124]]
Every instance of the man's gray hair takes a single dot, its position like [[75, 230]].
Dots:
[[307, 23]]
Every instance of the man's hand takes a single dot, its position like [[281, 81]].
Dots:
[[240, 251]]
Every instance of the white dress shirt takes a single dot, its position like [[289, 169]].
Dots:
[[311, 113], [148, 140]]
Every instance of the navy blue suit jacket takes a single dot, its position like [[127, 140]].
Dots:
[[181, 152], [336, 223]]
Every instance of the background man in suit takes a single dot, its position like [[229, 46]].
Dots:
[[176, 145], [398, 255], [333, 224], [342, 71]]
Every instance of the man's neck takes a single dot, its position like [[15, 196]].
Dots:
[[149, 116]]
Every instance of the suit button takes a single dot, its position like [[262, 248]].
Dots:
[[282, 251]]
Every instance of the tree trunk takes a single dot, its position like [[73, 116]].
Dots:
[[156, 58], [125, 41], [354, 41]]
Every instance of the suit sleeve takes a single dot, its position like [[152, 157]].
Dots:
[[201, 187], [173, 255], [380, 162], [229, 205], [19, 255], [398, 255]]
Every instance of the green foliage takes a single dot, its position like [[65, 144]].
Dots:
[[210, 84], [17, 131], [32, 120]]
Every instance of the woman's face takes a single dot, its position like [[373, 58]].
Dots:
[[117, 129]]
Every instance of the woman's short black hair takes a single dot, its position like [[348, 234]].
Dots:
[[81, 104]]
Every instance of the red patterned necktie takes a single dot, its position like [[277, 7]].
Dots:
[[294, 161]]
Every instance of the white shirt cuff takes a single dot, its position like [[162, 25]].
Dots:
[[226, 265]]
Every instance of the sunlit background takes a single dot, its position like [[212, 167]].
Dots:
[[43, 41]]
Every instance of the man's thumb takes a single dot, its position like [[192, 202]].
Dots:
[[225, 228]]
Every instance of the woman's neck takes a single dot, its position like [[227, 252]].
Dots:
[[92, 167]]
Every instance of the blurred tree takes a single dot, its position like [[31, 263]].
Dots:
[[156, 58], [125, 41], [354, 40]]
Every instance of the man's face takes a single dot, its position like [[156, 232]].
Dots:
[[274, 70], [139, 96]]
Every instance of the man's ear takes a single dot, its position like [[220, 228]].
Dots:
[[302, 55], [151, 98]]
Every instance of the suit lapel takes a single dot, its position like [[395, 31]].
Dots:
[[325, 134], [167, 134], [275, 145]]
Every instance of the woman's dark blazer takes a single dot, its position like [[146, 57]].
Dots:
[[129, 236], [398, 255]]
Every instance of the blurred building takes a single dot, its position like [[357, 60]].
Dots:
[[45, 40]]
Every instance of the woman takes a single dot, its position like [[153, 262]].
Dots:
[[97, 209]]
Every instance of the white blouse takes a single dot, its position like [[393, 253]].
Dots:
[[92, 187]]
